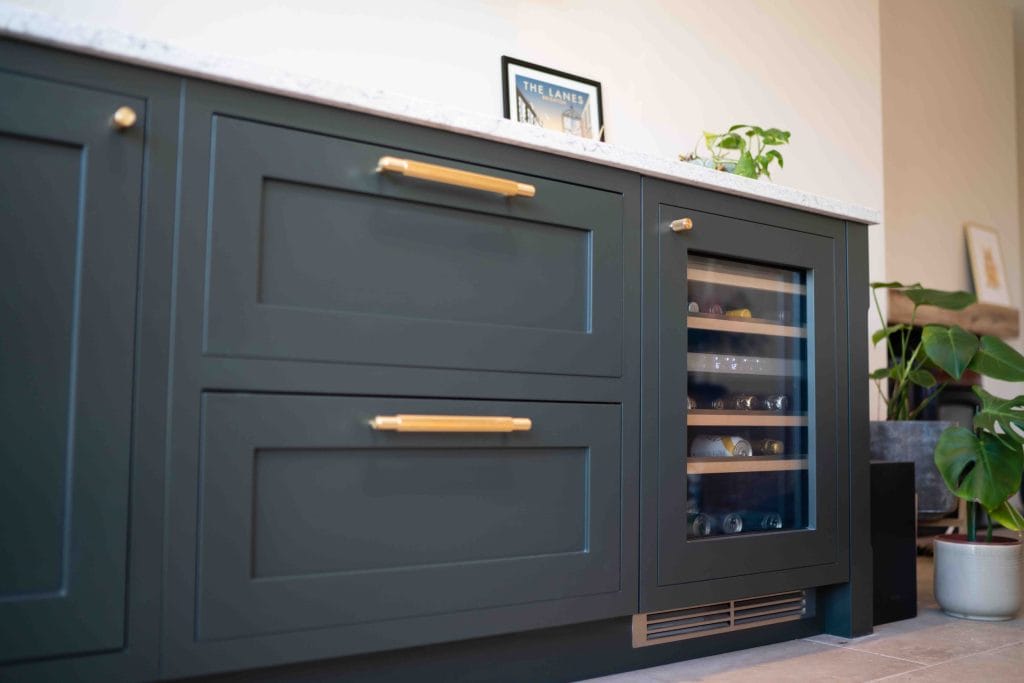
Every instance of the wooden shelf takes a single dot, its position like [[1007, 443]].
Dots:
[[717, 277], [742, 418], [717, 323], [998, 321], [757, 463]]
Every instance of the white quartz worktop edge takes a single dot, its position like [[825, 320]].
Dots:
[[25, 24]]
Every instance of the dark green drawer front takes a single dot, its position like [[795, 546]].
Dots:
[[311, 519], [314, 255]]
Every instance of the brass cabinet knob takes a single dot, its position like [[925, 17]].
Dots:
[[125, 118], [681, 225]]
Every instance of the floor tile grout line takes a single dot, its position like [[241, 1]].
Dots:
[[882, 654], [1003, 647], [917, 666], [922, 667], [868, 652], [895, 675]]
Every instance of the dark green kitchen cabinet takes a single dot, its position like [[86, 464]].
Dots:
[[67, 281], [84, 206], [206, 318], [316, 292], [746, 454]]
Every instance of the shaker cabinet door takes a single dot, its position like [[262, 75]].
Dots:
[[311, 518], [70, 185], [319, 253], [748, 442], [320, 535]]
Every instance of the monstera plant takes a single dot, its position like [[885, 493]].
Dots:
[[981, 464], [984, 465]]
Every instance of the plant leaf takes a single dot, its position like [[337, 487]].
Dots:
[[879, 335], [1008, 413], [773, 154], [732, 141], [981, 469], [953, 301], [774, 136], [881, 373], [745, 166], [951, 348], [891, 285], [1007, 515], [998, 360], [923, 378], [738, 126]]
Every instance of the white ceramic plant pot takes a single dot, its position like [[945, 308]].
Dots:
[[978, 580]]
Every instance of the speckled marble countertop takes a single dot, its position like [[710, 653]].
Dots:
[[25, 24]]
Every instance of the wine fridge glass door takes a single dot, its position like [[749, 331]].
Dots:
[[750, 411]]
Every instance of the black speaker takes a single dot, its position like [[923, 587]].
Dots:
[[894, 540]]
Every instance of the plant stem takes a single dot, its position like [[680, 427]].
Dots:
[[892, 354], [905, 336], [905, 382], [878, 386], [972, 521], [988, 532], [925, 402]]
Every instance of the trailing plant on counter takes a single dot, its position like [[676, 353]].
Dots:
[[742, 150], [982, 465]]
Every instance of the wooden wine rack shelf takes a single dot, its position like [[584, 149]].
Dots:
[[716, 277], [748, 464], [742, 418], [715, 323]]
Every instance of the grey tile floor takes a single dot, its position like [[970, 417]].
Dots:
[[931, 647]]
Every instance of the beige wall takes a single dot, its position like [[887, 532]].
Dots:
[[1018, 49], [950, 137]]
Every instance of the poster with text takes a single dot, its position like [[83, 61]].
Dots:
[[552, 101]]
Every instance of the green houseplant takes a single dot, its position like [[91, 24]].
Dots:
[[903, 436], [982, 465], [743, 150], [908, 366]]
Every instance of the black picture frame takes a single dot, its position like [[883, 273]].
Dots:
[[508, 64]]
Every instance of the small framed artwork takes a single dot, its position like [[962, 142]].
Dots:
[[987, 267], [552, 99]]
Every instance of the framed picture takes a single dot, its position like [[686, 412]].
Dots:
[[552, 99], [987, 268]]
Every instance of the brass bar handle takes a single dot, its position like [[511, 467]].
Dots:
[[453, 176], [681, 224], [450, 423]]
